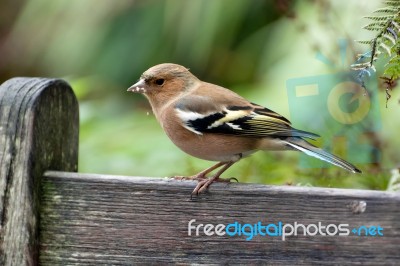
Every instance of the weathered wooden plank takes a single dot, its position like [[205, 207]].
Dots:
[[38, 131], [99, 219]]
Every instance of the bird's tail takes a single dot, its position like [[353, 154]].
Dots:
[[309, 149]]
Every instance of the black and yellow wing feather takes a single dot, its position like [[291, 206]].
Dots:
[[251, 120]]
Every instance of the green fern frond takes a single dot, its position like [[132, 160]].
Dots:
[[388, 9], [394, 183], [392, 67], [373, 27], [380, 18], [390, 38], [394, 3], [365, 42], [395, 23], [386, 43]]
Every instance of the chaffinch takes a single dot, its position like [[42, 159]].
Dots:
[[213, 123]]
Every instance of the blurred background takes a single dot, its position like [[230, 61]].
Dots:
[[252, 47]]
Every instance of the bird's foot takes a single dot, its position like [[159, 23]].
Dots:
[[205, 183]]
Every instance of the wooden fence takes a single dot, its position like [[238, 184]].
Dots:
[[52, 215]]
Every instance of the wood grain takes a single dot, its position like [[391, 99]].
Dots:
[[99, 219], [38, 131]]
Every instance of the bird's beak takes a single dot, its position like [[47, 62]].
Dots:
[[138, 87]]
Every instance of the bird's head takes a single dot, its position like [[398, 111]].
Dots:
[[164, 81]]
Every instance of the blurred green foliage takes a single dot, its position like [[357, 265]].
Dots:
[[251, 47]]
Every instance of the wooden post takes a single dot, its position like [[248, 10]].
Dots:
[[38, 131]]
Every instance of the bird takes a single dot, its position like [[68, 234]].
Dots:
[[213, 123]]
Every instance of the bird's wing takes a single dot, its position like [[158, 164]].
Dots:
[[202, 114]]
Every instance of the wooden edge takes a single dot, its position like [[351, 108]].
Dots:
[[165, 182]]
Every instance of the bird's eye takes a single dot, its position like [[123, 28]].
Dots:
[[159, 82]]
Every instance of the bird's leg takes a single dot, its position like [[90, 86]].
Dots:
[[202, 175], [204, 184]]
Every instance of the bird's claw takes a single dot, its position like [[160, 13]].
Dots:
[[205, 183], [200, 187], [226, 180]]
